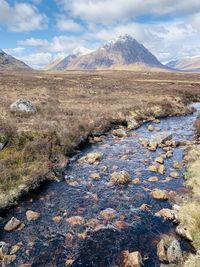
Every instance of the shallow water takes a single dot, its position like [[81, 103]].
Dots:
[[49, 243]]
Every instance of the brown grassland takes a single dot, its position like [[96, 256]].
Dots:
[[71, 106]]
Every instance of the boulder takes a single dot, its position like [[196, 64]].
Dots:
[[159, 194], [122, 177], [119, 133], [108, 214], [32, 215], [162, 137], [174, 253], [1, 146], [12, 224], [182, 231], [23, 105]]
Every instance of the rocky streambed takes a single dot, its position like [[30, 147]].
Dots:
[[113, 207]]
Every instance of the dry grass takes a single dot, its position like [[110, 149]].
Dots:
[[190, 210], [71, 106], [197, 126]]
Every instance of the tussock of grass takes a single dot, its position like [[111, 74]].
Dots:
[[192, 261], [70, 107]]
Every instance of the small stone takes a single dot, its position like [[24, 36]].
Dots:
[[75, 220], [169, 154], [159, 160], [156, 121], [108, 213], [95, 176], [91, 158], [121, 224], [161, 169], [119, 133], [161, 251], [145, 207], [174, 174], [168, 214], [136, 181], [25, 265], [125, 157], [153, 179], [152, 148], [69, 262], [12, 224], [177, 165], [159, 194], [133, 259], [3, 249], [14, 249], [153, 168], [122, 177], [8, 259], [150, 128], [32, 215], [182, 231], [57, 219]]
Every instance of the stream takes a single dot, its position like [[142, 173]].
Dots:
[[53, 240]]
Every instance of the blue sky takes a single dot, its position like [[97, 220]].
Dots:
[[39, 31]]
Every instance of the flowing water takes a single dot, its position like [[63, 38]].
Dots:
[[51, 241]]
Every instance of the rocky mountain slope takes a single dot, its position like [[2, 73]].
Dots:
[[8, 62], [186, 64], [123, 53]]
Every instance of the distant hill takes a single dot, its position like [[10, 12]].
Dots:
[[123, 53], [186, 64], [8, 62]]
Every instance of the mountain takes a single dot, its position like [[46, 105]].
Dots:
[[186, 64], [123, 53], [8, 62], [63, 63]]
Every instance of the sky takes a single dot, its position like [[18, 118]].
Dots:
[[39, 31]]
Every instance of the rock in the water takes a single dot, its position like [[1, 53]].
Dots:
[[153, 179], [32, 215], [161, 251], [153, 168], [12, 224], [127, 259], [91, 158], [162, 137], [182, 231], [23, 105], [161, 169], [174, 253], [132, 124], [159, 194], [136, 181], [95, 176], [76, 220], [174, 174], [159, 160], [108, 213], [150, 128], [3, 249], [168, 214], [177, 165], [122, 177], [119, 133]]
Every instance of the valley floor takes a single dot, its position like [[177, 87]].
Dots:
[[71, 106]]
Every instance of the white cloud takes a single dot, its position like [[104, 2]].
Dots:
[[64, 24], [37, 60], [21, 17], [116, 10], [33, 42]]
